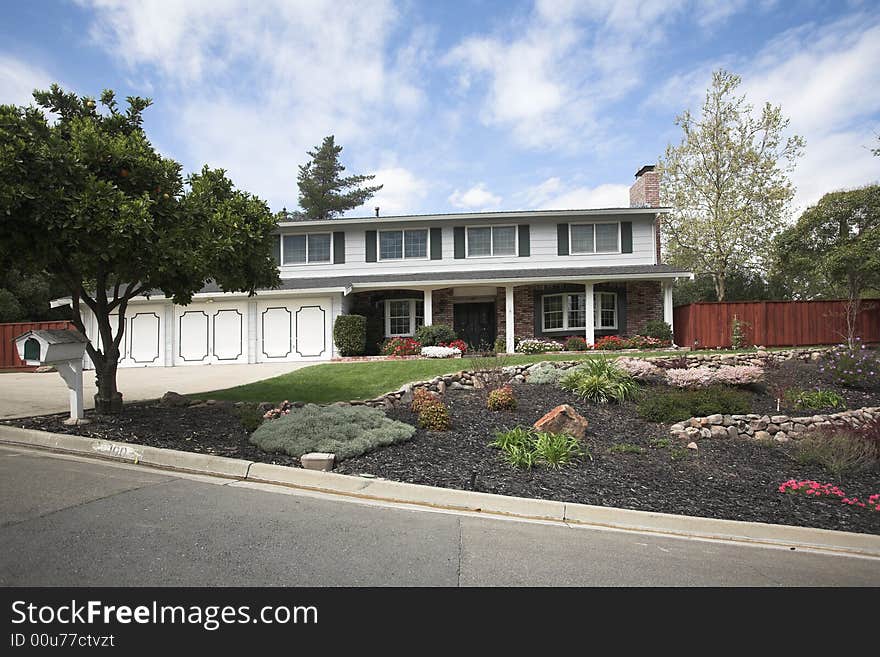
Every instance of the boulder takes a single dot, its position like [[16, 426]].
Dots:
[[717, 418], [174, 400], [717, 431], [732, 432], [762, 435], [317, 461], [563, 419]]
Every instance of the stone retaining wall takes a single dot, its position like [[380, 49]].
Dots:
[[781, 428], [470, 380]]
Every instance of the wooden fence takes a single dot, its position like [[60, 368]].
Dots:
[[8, 332], [772, 323]]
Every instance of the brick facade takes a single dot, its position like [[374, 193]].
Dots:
[[644, 302], [645, 193], [442, 306]]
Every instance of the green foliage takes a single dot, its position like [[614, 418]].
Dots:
[[840, 451], [678, 453], [524, 448], [679, 405], [501, 399], [346, 431], [10, 309], [250, 415], [813, 399], [739, 285], [433, 335], [350, 334], [576, 343], [500, 346], [434, 416], [120, 216], [727, 183], [600, 381], [833, 250], [659, 329], [737, 333], [626, 448], [422, 397], [545, 374], [660, 443], [323, 192]]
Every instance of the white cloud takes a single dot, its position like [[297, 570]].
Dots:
[[553, 194], [403, 192], [477, 197], [19, 79], [259, 84]]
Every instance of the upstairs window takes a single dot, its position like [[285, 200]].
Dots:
[[399, 244], [302, 249], [483, 241], [595, 238]]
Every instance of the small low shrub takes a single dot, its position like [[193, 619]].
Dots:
[[250, 416], [461, 345], [679, 405], [814, 489], [840, 450], [626, 448], [659, 329], [537, 346], [434, 416], [434, 335], [350, 335], [545, 374], [857, 367], [500, 346], [644, 342], [282, 409], [516, 436], [524, 447], [576, 343], [678, 453], [703, 377], [421, 396], [814, 399], [639, 368], [346, 431], [501, 399], [660, 443], [557, 449], [440, 352], [401, 347], [600, 381], [611, 342]]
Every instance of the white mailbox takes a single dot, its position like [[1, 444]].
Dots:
[[64, 349]]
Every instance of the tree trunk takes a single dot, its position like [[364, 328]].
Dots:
[[108, 400], [720, 290]]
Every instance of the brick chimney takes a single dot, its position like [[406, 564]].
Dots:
[[645, 193]]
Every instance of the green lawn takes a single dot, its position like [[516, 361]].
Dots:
[[329, 382]]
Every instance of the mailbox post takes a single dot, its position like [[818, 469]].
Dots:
[[63, 349]]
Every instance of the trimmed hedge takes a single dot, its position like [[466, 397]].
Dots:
[[350, 335], [434, 335], [659, 329], [680, 405]]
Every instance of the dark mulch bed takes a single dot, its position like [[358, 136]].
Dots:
[[209, 429], [724, 479]]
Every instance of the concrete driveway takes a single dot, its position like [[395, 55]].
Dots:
[[26, 393]]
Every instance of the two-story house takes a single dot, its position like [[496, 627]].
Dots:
[[548, 273]]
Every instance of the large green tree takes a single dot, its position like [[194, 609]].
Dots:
[[834, 250], [84, 195], [323, 192], [727, 183]]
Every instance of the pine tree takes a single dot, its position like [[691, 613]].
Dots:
[[323, 194]]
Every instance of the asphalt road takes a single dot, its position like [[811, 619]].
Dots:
[[71, 521]]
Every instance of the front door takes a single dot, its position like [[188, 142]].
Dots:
[[475, 324]]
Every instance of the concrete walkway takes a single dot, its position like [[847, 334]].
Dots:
[[27, 393]]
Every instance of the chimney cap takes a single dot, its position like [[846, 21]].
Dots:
[[645, 169]]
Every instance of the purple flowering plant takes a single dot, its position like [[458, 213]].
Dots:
[[853, 367]]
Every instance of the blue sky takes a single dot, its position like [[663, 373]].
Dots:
[[459, 106]]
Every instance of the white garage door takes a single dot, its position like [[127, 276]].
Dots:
[[210, 333], [293, 330], [144, 339]]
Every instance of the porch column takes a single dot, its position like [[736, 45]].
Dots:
[[589, 310], [667, 303], [509, 328], [429, 307]]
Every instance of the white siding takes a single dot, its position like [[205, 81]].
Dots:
[[543, 249]]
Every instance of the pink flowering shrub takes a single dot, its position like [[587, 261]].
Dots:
[[812, 488], [274, 413], [638, 368], [703, 377]]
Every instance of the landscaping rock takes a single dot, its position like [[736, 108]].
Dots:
[[717, 418], [563, 419], [762, 435], [781, 437], [174, 400], [717, 431], [318, 461], [732, 432], [692, 446]]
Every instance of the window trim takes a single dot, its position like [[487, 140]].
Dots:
[[403, 255], [565, 311], [492, 254], [284, 236], [571, 250], [412, 306]]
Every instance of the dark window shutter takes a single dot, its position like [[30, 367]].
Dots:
[[458, 233], [626, 237], [371, 245], [436, 244], [524, 245], [276, 248], [339, 247], [562, 239]]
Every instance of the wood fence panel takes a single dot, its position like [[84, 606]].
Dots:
[[8, 332], [772, 323]]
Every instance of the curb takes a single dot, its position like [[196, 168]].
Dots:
[[382, 490]]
